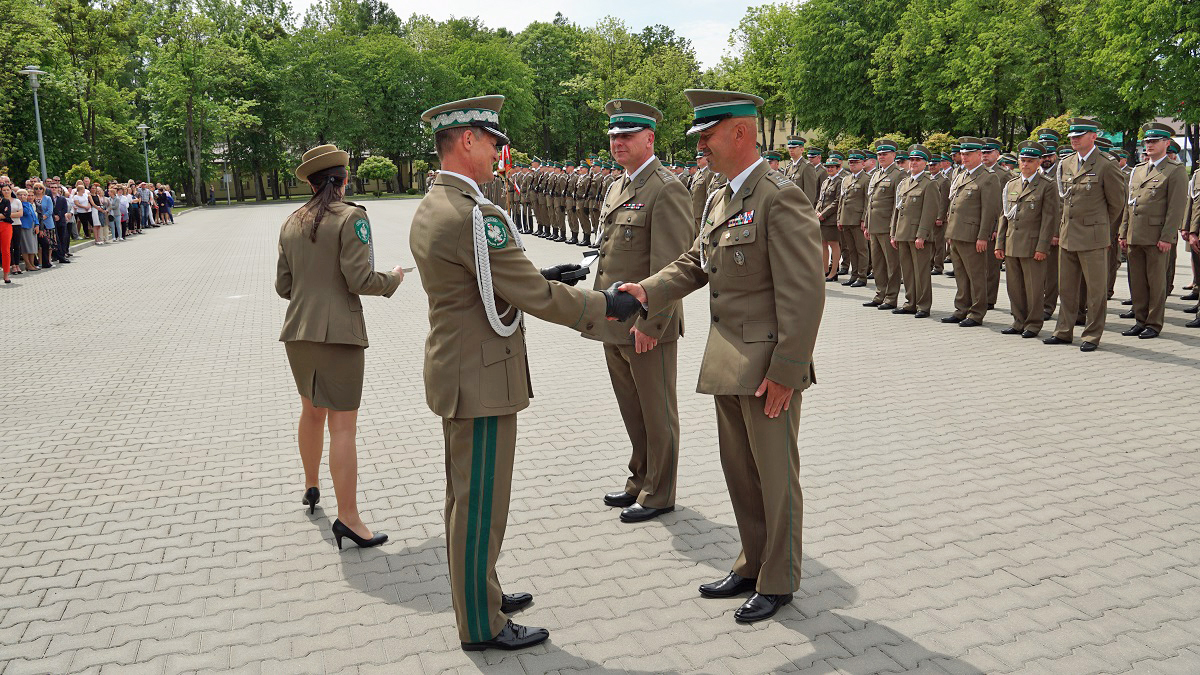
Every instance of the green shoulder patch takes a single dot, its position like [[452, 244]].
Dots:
[[363, 230], [495, 232]]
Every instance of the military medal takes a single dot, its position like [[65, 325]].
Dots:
[[739, 258], [629, 234]]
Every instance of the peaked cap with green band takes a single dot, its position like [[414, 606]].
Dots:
[[773, 156], [855, 153], [918, 151], [955, 148], [990, 143], [1031, 149], [1157, 130], [626, 116], [814, 151], [1065, 151], [1082, 125], [970, 144], [481, 111], [1008, 158], [886, 145], [871, 155], [711, 106], [795, 141], [1048, 134]]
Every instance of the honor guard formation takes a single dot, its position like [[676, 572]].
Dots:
[[762, 233]]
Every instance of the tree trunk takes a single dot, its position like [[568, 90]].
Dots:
[[260, 191], [275, 184]]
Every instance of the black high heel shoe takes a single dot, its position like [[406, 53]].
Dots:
[[311, 497], [340, 530]]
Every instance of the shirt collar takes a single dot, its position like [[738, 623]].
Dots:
[[1160, 160], [634, 175], [1084, 158], [465, 179], [736, 182], [915, 176], [971, 172]]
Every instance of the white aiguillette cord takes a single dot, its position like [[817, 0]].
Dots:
[[483, 267]]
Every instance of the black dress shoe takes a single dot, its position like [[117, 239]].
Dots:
[[312, 496], [886, 305], [1127, 302], [621, 499], [1192, 310], [512, 636], [761, 606], [921, 314], [1080, 320], [904, 310], [728, 587], [950, 274], [638, 513], [340, 530], [936, 273], [871, 276], [1137, 329], [858, 284], [1190, 296], [1055, 340], [1088, 347], [1126, 315], [515, 602], [1194, 323], [969, 323], [872, 303], [1011, 331], [952, 319], [1028, 334], [1148, 334], [1046, 316], [848, 282], [991, 305], [843, 270]]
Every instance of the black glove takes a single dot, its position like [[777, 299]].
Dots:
[[555, 273], [620, 305]]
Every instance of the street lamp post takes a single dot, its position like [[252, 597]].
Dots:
[[145, 151], [33, 72]]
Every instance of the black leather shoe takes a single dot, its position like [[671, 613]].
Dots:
[[952, 319], [969, 323], [1055, 340], [1194, 323], [885, 306], [936, 273], [842, 270], [950, 274], [1080, 320], [1190, 296], [1136, 330], [312, 496], [760, 606], [340, 530], [1028, 334], [858, 284], [1088, 347], [512, 636], [872, 303], [1127, 302], [621, 499], [991, 305], [1011, 331], [1148, 334], [1126, 315], [638, 513], [1192, 310], [848, 282], [871, 276], [921, 314], [904, 310], [1046, 316], [728, 587], [830, 280], [515, 602]]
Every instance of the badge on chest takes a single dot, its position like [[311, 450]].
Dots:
[[744, 218]]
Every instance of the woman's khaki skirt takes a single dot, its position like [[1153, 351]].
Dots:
[[329, 375], [830, 233]]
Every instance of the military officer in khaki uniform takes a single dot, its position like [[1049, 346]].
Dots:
[[536, 186], [991, 163], [700, 188], [1093, 193], [646, 223], [569, 184], [918, 203], [479, 281], [1049, 138], [760, 255], [881, 205], [943, 179], [827, 215], [1155, 214], [851, 217], [1028, 220], [1192, 236], [971, 221], [802, 171]]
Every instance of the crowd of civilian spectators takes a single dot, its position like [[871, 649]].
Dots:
[[38, 221]]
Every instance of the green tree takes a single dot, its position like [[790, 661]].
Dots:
[[376, 168]]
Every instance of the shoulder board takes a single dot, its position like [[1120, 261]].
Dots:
[[1175, 161], [664, 174], [357, 206], [1140, 164], [780, 180]]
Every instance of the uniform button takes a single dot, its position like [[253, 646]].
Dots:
[[589, 326], [508, 350], [601, 254], [716, 319], [716, 293], [600, 271], [714, 270], [770, 336]]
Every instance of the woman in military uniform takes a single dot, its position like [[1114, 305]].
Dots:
[[325, 264]]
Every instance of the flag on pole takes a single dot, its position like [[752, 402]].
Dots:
[[505, 159]]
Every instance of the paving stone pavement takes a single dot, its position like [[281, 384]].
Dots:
[[976, 503]]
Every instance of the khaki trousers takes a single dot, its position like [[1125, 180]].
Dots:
[[886, 262], [1026, 291], [1148, 284], [1050, 298], [761, 462], [1114, 264], [479, 466], [915, 269], [1092, 268], [993, 273], [645, 388], [1172, 261], [854, 242], [938, 255], [970, 274]]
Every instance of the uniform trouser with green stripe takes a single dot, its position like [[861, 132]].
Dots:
[[479, 466], [762, 470], [645, 389]]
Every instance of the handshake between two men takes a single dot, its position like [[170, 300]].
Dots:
[[618, 306]]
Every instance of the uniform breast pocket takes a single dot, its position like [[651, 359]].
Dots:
[[629, 230], [741, 254], [500, 374]]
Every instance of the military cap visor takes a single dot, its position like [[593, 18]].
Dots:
[[1157, 130], [1082, 125], [1031, 149], [886, 145], [712, 106], [919, 152], [970, 144], [482, 112], [813, 152], [833, 161], [627, 116], [795, 142]]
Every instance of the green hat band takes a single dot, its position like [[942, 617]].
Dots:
[[918, 153], [990, 146], [1030, 152], [1083, 128], [468, 117], [971, 146], [885, 148], [814, 152], [1157, 133], [855, 155], [726, 109], [627, 119]]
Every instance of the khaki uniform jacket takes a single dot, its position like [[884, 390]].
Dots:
[[593, 195], [815, 180], [881, 198], [1095, 199], [699, 193], [322, 280], [470, 371], [645, 227], [1194, 204], [1034, 219], [852, 204], [572, 184], [1159, 197], [974, 209], [918, 203], [943, 180], [759, 251], [828, 199]]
